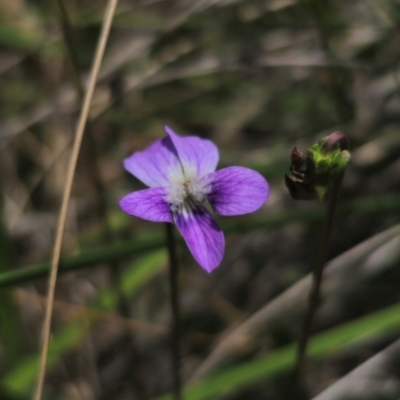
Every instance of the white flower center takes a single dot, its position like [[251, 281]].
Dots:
[[184, 192]]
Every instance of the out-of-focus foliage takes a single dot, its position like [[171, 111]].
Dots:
[[257, 77]]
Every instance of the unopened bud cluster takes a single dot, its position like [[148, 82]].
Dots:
[[311, 174]]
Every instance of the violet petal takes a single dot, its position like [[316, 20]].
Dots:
[[198, 156], [202, 235], [148, 204], [237, 190], [156, 165]]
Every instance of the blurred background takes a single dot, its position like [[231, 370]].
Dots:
[[258, 78]]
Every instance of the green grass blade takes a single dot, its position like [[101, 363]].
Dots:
[[280, 360], [132, 280], [88, 258], [20, 380], [10, 326], [141, 245]]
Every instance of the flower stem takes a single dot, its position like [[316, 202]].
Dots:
[[174, 298], [317, 281]]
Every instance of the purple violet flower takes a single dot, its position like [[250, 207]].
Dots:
[[180, 172]]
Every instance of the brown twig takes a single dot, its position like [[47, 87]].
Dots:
[[109, 14], [91, 151]]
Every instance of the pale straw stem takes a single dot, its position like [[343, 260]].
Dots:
[[109, 14]]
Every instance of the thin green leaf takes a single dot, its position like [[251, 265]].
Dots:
[[280, 360], [9, 315], [141, 245], [19, 380]]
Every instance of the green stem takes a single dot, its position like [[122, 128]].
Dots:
[[174, 298]]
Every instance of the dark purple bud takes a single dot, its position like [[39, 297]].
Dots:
[[336, 140]]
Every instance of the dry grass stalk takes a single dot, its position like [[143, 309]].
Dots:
[[109, 14]]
